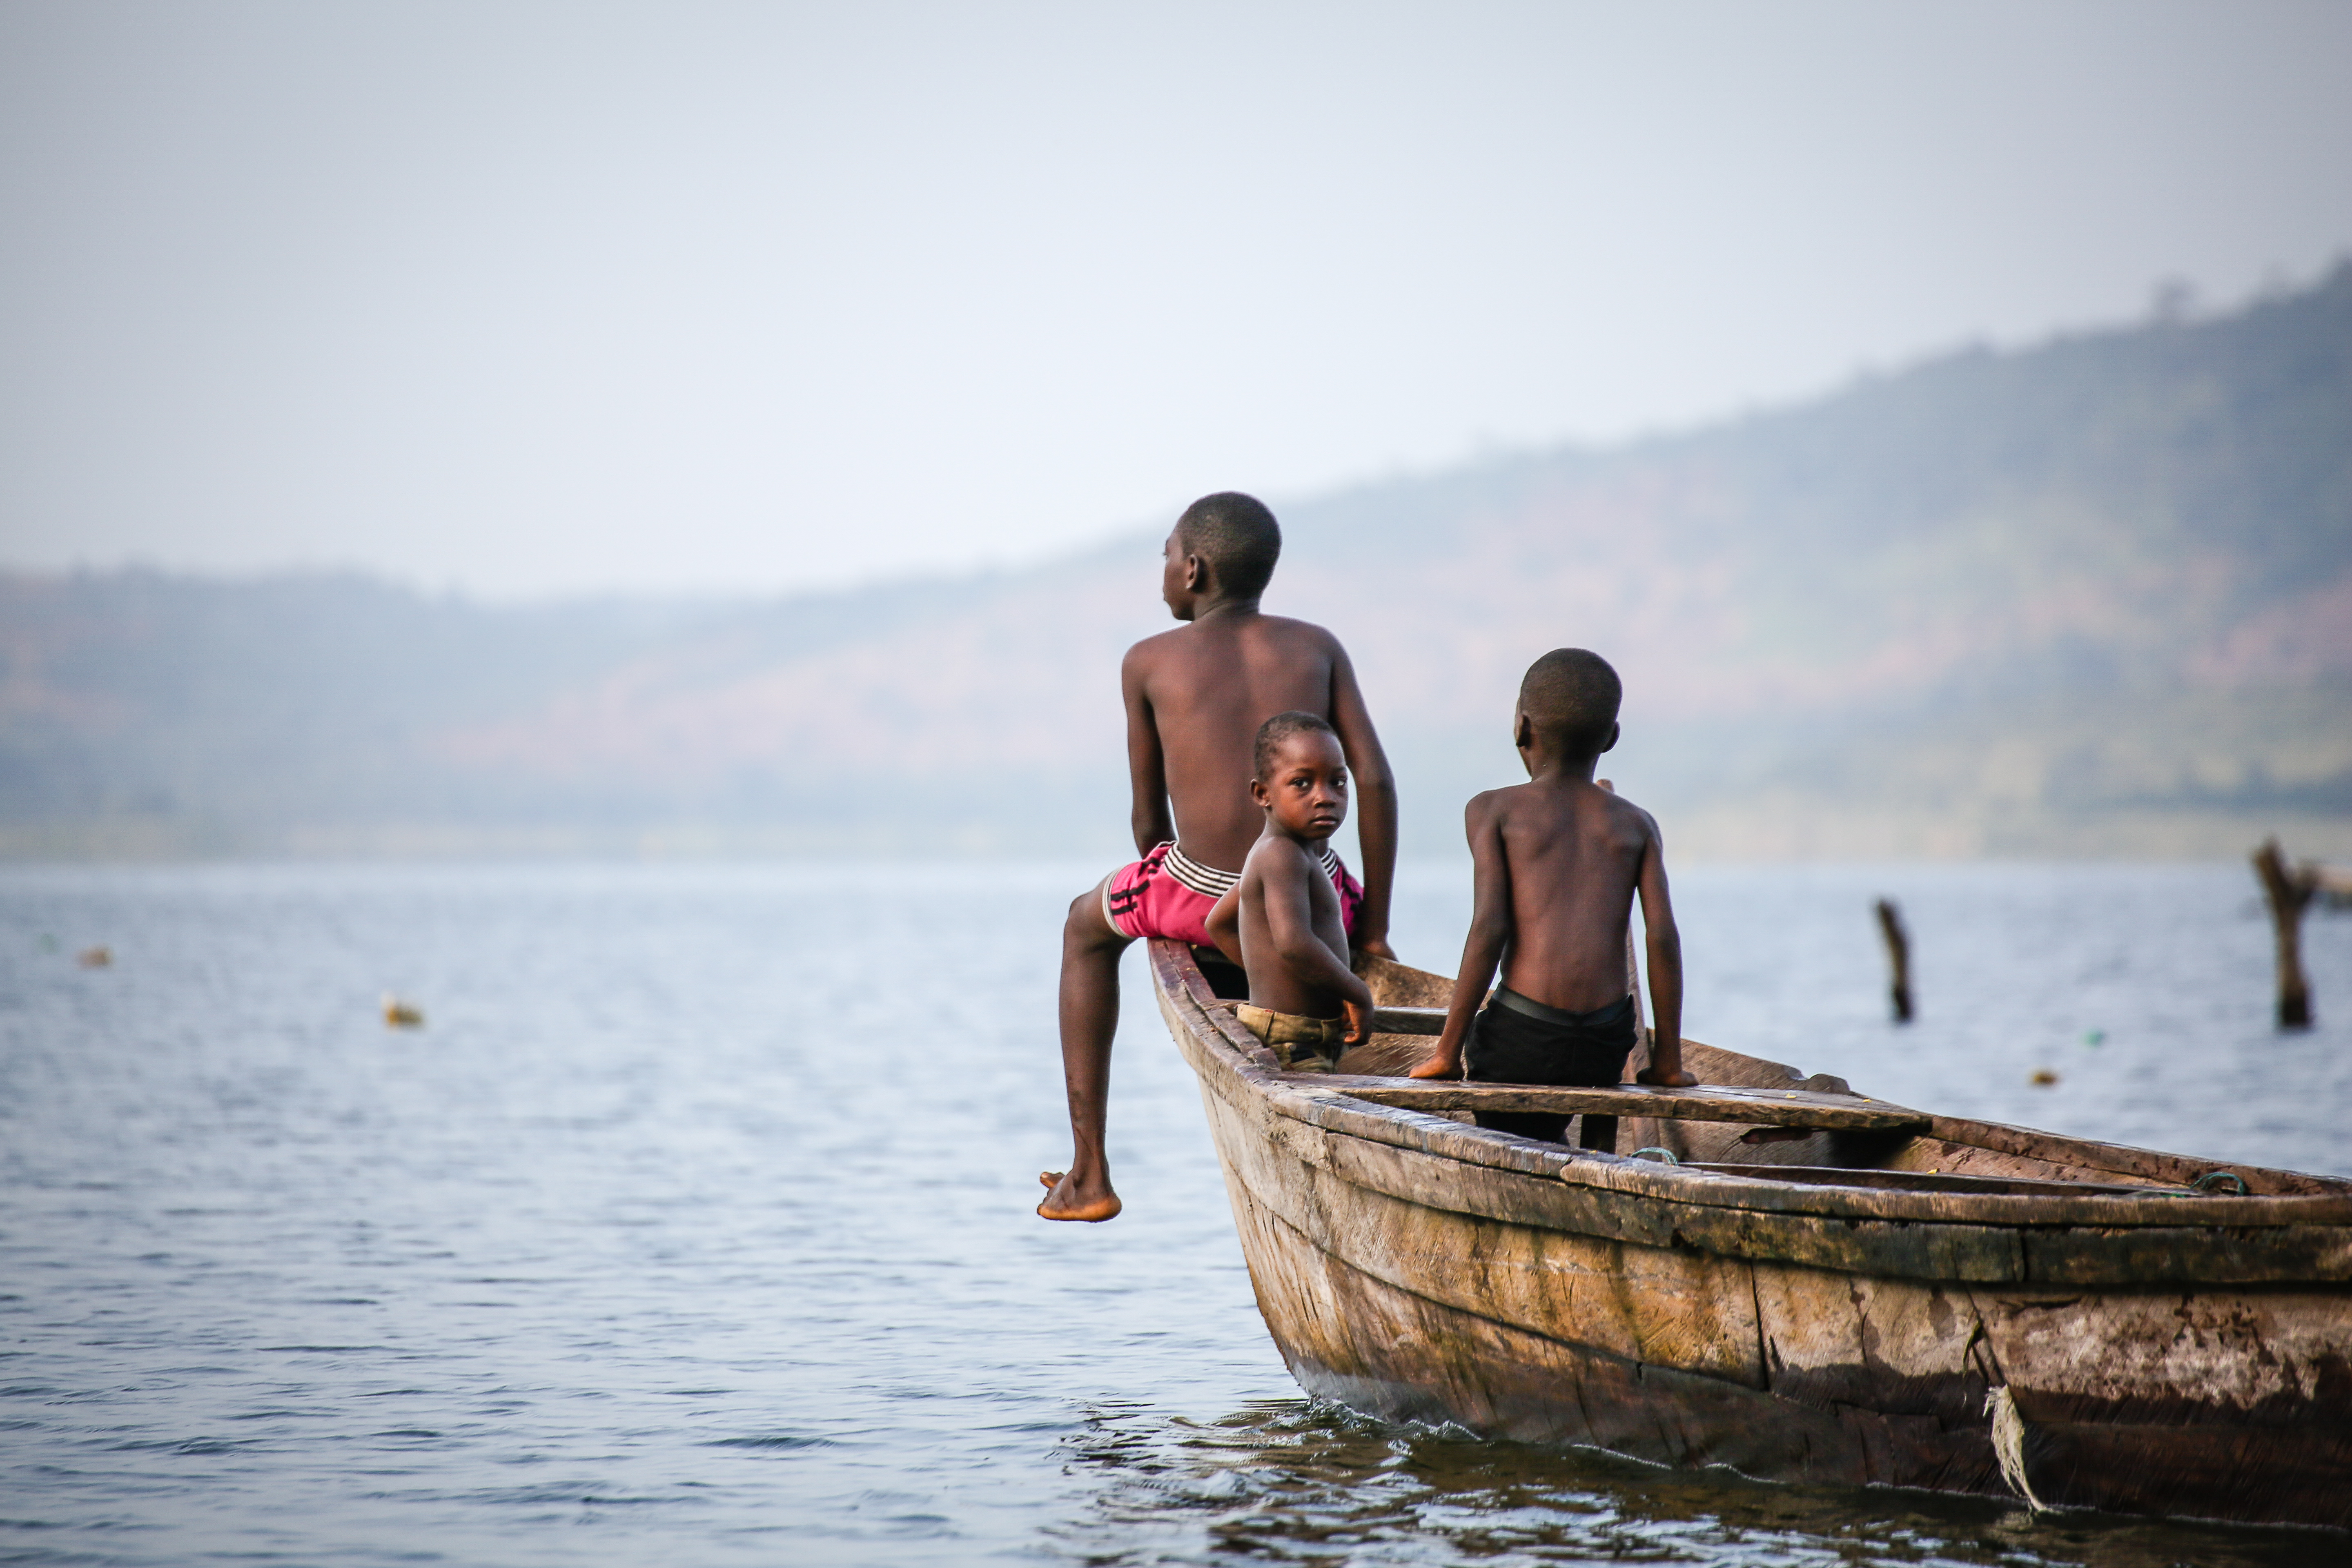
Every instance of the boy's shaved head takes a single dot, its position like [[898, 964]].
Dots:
[[1236, 536], [1280, 728], [1570, 695]]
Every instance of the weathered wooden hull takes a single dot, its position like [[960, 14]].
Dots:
[[2140, 1354]]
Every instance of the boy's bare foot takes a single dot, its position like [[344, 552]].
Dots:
[[1675, 1079], [1062, 1203]]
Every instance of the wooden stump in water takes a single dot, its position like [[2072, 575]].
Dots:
[[2288, 891], [1898, 958]]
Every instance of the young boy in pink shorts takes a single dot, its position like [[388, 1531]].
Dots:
[[1195, 698], [1169, 893]]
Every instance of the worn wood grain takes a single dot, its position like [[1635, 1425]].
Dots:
[[1408, 1020], [1899, 1346], [2265, 1357], [1652, 1304], [1348, 1335], [1706, 1102]]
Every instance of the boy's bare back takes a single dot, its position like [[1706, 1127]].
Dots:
[[1575, 855], [1196, 697], [1559, 861]]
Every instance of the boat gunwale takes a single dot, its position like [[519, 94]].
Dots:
[[1250, 1067]]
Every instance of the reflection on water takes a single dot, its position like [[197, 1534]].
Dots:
[[1305, 1481], [693, 1226]]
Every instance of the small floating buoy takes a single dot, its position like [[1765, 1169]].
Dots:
[[2094, 1036], [400, 1015], [2042, 1078], [94, 957]]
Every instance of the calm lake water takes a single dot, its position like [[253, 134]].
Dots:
[[694, 1226]]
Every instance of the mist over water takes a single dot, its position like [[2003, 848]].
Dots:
[[693, 1226]]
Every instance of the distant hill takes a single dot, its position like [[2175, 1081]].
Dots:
[[2094, 596]]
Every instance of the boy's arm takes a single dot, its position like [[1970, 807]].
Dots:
[[1376, 803], [1490, 931], [1146, 767], [1666, 948], [1281, 889], [1224, 923]]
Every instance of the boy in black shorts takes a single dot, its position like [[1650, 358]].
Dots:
[[1558, 860]]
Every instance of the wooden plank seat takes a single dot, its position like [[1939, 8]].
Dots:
[[1933, 1182], [1706, 1102], [1385, 1020]]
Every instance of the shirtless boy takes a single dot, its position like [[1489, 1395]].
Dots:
[[1282, 919], [1195, 698], [1558, 862]]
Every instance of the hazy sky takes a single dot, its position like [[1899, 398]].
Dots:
[[533, 298]]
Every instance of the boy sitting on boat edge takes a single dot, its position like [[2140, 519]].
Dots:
[[1195, 698], [1558, 862], [1282, 921]]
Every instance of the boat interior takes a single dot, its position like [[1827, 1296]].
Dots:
[[1845, 1146]]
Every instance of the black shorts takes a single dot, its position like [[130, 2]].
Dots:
[[1515, 1039]]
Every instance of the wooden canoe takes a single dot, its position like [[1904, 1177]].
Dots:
[[1875, 1295]]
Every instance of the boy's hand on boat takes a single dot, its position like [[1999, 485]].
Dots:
[[1360, 1022], [1377, 946], [1438, 1066], [1679, 1079]]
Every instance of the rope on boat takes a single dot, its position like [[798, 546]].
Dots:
[[1668, 1156], [2206, 1186], [2008, 1445]]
